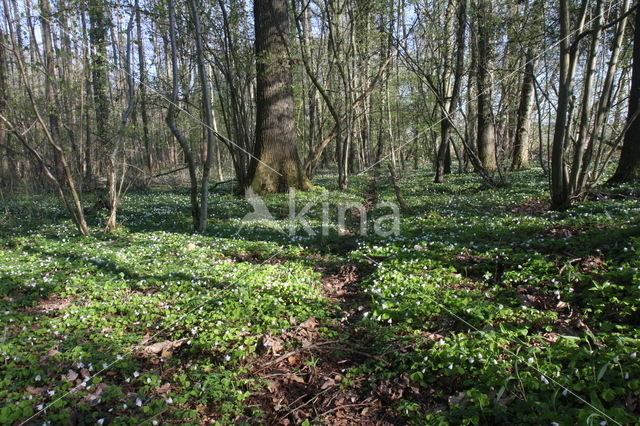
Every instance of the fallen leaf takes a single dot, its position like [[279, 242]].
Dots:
[[309, 324], [327, 384], [295, 378], [70, 376], [164, 348]]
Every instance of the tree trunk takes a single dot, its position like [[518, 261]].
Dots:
[[521, 142], [142, 70], [443, 160], [628, 169], [52, 105], [99, 22], [5, 167], [171, 118], [486, 129], [559, 179], [560, 191], [277, 166], [207, 115]]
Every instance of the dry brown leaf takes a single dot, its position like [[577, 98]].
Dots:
[[35, 391], [295, 378], [327, 384], [309, 324], [70, 376], [164, 348]]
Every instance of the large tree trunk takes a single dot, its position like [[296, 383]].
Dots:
[[628, 169], [277, 166], [521, 142], [486, 129]]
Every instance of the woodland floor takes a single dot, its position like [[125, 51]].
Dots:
[[486, 308]]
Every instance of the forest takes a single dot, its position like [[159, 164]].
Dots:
[[320, 212]]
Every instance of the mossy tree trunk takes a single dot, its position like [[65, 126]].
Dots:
[[99, 21], [276, 165]]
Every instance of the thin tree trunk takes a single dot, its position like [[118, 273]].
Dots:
[[208, 118], [171, 118], [74, 208], [142, 70]]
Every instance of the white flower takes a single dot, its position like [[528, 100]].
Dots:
[[544, 380], [169, 400], [530, 360], [633, 355], [136, 374], [38, 378], [100, 421], [138, 402]]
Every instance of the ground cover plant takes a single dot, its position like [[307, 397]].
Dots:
[[486, 308]]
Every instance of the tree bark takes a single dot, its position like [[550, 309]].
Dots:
[[443, 160], [171, 118], [628, 169], [486, 129], [4, 140], [559, 178], [142, 70], [520, 158], [278, 166], [207, 115], [99, 27]]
